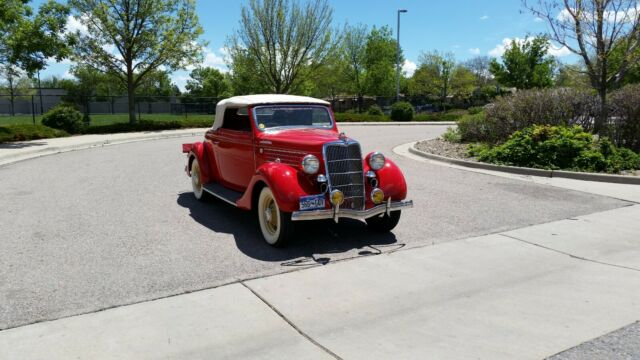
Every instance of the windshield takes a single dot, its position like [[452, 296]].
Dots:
[[277, 116]]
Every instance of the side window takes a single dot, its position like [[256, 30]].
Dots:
[[236, 119]]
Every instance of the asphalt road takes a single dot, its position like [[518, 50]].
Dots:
[[94, 229]]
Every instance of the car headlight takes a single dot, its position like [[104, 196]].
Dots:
[[310, 164], [376, 161]]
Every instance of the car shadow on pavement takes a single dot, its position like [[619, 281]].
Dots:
[[314, 242]]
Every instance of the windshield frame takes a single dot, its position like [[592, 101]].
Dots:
[[326, 108]]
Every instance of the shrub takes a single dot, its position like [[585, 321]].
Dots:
[[402, 111], [477, 128], [624, 127], [452, 135], [475, 110], [560, 147], [64, 117], [374, 110], [561, 106], [28, 132]]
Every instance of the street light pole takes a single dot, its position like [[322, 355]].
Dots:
[[398, 56]]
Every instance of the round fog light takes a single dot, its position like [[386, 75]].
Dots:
[[337, 197], [377, 196]]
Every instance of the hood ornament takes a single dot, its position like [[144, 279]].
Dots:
[[342, 137]]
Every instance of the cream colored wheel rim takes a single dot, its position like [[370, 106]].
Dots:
[[269, 216], [196, 180]]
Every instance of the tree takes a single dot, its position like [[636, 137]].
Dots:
[[15, 85], [208, 82], [244, 77], [479, 66], [380, 62], [354, 56], [463, 82], [593, 30], [434, 74], [525, 65], [37, 38], [134, 38], [283, 38], [572, 76]]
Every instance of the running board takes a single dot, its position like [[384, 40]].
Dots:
[[222, 193]]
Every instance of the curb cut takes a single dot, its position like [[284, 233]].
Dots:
[[618, 179], [392, 123], [36, 153]]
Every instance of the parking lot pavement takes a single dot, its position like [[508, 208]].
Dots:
[[488, 297], [115, 225]]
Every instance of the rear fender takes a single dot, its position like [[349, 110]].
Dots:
[[286, 182], [204, 153]]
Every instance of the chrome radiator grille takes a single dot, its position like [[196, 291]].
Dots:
[[343, 163]]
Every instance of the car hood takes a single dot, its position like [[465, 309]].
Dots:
[[307, 139]]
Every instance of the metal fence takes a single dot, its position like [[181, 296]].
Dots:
[[22, 106]]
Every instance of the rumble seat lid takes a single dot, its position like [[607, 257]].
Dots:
[[246, 100]]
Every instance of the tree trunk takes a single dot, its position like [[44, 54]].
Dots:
[[601, 120], [131, 94]]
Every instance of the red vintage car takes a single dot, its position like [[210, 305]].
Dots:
[[283, 156]]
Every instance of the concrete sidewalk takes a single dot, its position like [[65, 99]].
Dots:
[[526, 294]]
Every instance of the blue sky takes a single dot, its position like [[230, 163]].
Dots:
[[465, 27]]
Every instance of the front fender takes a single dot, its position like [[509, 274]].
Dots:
[[287, 184], [390, 180]]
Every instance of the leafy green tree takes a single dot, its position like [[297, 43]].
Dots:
[[244, 77], [354, 55], [134, 38], [380, 62], [595, 30], [573, 76], [208, 82], [283, 38], [479, 66], [463, 82], [525, 65], [36, 38], [434, 74]]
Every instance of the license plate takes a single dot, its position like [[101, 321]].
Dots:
[[312, 202]]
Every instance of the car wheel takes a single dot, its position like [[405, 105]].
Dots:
[[384, 223], [276, 225], [196, 181]]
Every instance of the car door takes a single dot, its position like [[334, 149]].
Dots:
[[233, 149]]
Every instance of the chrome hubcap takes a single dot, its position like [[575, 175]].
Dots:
[[270, 216]]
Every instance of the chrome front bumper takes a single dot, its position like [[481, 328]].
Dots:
[[337, 213]]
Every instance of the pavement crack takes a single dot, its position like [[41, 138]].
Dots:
[[294, 326], [569, 254]]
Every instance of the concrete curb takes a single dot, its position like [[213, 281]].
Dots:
[[401, 123], [618, 179], [6, 159]]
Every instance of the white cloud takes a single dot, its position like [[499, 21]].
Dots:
[[180, 80], [409, 67], [67, 75], [74, 24], [558, 51], [500, 48], [211, 59], [506, 43], [484, 17], [474, 51]]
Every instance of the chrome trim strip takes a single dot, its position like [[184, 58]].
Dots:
[[219, 197], [351, 214]]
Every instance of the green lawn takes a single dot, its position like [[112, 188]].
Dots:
[[107, 119]]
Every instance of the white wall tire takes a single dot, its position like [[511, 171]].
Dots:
[[276, 225], [196, 180]]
